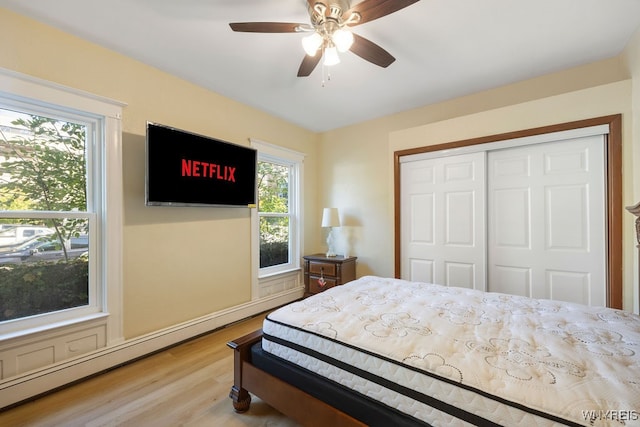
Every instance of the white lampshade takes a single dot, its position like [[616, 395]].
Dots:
[[331, 56], [343, 39], [312, 43], [330, 217]]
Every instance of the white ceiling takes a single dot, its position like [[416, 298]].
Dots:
[[443, 48]]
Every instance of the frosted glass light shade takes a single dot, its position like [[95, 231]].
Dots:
[[312, 43], [343, 39], [331, 56]]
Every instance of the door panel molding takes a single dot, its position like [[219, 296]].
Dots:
[[562, 208], [613, 171], [445, 220]]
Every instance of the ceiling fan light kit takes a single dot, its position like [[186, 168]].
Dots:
[[331, 22]]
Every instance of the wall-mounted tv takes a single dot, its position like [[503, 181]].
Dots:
[[185, 169]]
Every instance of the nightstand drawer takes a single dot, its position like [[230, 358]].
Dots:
[[315, 287], [334, 271], [326, 269]]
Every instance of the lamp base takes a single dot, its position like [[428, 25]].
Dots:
[[331, 252]]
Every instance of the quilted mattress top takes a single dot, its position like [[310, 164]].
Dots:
[[560, 358]]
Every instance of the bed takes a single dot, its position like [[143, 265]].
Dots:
[[382, 351]]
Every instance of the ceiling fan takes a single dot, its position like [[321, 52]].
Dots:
[[331, 21]]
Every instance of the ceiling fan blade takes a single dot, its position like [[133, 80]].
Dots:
[[308, 64], [267, 27], [374, 9], [371, 52]]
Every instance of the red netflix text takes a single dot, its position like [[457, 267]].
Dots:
[[197, 168]]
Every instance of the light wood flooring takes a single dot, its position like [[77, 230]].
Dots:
[[186, 385]]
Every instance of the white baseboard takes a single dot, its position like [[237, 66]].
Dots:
[[23, 387]]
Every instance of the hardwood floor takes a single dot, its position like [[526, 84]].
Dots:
[[186, 385]]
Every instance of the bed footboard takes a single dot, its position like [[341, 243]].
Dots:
[[282, 396], [242, 353]]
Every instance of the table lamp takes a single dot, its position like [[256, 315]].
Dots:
[[330, 218]]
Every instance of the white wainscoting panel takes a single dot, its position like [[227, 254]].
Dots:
[[35, 351]]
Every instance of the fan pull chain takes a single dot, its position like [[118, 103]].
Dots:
[[328, 75]]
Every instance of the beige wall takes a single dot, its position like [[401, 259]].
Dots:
[[179, 263], [350, 168], [603, 100], [369, 204], [360, 181]]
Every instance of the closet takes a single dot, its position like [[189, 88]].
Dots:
[[524, 216]]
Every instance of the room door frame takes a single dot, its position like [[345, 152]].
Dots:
[[613, 173]]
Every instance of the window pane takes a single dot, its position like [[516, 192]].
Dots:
[[44, 272], [273, 187], [274, 241], [42, 163]]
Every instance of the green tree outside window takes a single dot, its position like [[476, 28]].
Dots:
[[43, 168]]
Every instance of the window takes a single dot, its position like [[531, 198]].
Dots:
[[58, 201], [278, 215], [274, 213], [43, 165]]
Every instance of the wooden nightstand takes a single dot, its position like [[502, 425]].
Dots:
[[333, 271]]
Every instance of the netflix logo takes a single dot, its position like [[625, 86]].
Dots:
[[186, 169], [199, 169]]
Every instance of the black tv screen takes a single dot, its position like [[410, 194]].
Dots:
[[185, 169]]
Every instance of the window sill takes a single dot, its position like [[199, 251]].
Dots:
[[41, 330], [279, 273]]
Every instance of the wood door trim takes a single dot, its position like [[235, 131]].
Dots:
[[613, 172]]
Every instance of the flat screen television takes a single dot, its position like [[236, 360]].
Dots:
[[186, 169]]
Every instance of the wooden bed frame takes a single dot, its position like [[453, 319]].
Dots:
[[289, 400]]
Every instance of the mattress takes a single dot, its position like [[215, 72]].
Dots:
[[454, 356], [358, 406]]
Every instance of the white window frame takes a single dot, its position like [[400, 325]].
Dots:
[[295, 161], [104, 165]]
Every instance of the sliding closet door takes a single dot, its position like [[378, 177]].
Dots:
[[443, 220], [546, 228]]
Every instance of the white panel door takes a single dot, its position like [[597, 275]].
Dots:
[[547, 221], [443, 220]]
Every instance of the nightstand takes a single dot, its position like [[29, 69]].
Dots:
[[322, 272]]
